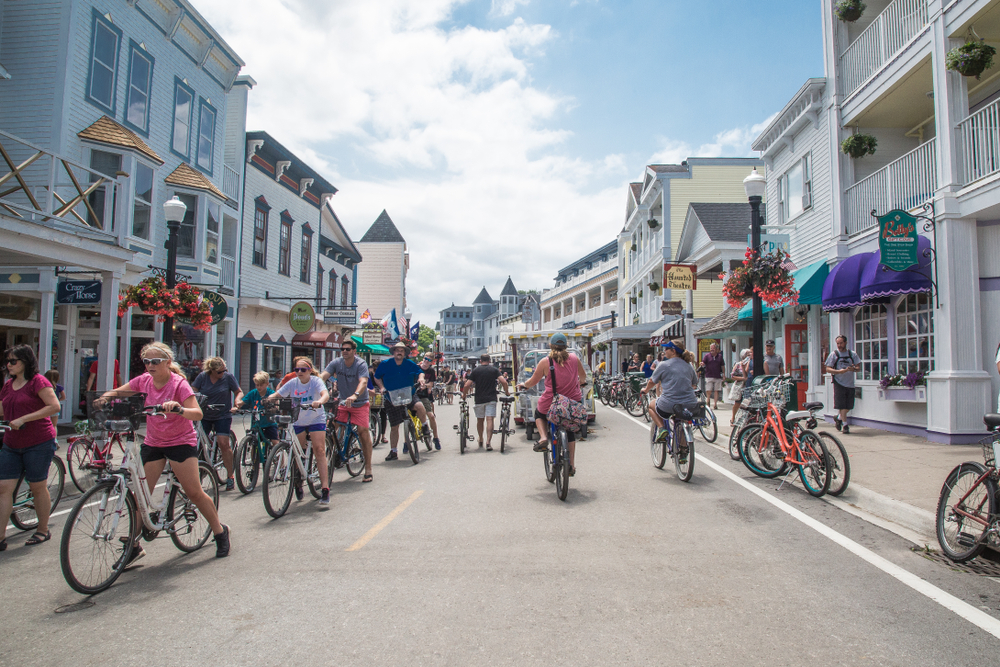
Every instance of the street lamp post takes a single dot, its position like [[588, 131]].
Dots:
[[174, 210], [754, 184]]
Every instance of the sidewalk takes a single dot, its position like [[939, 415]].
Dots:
[[895, 477]]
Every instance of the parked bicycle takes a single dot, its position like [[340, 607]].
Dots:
[[504, 428], [23, 514], [101, 530], [90, 455], [677, 442], [463, 423]]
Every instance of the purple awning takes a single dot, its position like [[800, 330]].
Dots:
[[842, 288], [879, 283]]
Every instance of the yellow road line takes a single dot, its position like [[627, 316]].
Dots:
[[377, 528]]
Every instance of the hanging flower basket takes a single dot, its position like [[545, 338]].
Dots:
[[971, 59], [634, 247], [859, 145], [633, 299], [655, 287], [653, 223], [849, 11], [601, 347], [640, 294], [153, 297], [765, 276]]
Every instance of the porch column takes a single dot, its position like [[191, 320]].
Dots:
[[125, 345], [46, 331], [69, 365], [106, 348], [813, 330]]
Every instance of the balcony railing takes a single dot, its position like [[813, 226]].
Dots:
[[904, 184], [231, 182], [228, 267], [979, 135], [891, 30]]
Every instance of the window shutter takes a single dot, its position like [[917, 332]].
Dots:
[[806, 183]]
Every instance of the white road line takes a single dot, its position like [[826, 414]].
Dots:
[[67, 511], [963, 609]]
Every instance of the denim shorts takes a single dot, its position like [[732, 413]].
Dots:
[[270, 432], [220, 426], [310, 428], [32, 461]]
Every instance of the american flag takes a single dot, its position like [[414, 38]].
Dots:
[[787, 264]]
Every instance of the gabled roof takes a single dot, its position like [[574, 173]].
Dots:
[[725, 222], [107, 131], [484, 297], [186, 176], [727, 320], [383, 231], [508, 288]]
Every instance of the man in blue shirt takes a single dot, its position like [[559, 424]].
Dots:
[[393, 375]]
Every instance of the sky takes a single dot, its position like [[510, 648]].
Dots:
[[501, 135]]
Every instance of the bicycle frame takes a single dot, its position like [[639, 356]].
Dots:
[[978, 518], [131, 477]]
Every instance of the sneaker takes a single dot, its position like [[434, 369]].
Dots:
[[324, 497], [839, 424], [488, 447], [437, 444], [426, 430], [541, 446], [406, 448], [572, 471], [222, 543], [299, 492], [480, 444], [392, 455], [137, 553], [230, 484], [846, 429], [662, 434]]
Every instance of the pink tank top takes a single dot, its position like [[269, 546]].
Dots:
[[567, 382]]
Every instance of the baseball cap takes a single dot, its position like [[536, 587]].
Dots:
[[558, 339], [768, 342]]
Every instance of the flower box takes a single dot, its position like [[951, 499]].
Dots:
[[903, 394]]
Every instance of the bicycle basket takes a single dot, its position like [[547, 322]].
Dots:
[[401, 397], [375, 401], [754, 398], [988, 454], [114, 412], [285, 411]]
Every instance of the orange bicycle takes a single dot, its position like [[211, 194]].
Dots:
[[780, 444]]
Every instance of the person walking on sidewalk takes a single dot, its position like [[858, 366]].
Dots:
[[485, 378], [842, 364], [714, 365], [773, 363]]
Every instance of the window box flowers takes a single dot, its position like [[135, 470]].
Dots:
[[907, 388], [767, 275], [153, 297]]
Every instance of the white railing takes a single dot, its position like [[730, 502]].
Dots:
[[228, 267], [904, 184], [891, 30], [231, 182], [979, 135]]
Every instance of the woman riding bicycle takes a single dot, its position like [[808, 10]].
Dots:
[[677, 380], [27, 400], [218, 386], [570, 376], [172, 437]]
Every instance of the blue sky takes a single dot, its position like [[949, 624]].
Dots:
[[500, 135]]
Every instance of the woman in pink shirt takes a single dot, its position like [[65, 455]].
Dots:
[[570, 376], [27, 400], [173, 437]]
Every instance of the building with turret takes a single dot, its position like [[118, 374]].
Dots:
[[381, 284]]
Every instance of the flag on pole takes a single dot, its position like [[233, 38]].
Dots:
[[402, 326], [391, 326], [415, 331], [787, 264], [366, 317]]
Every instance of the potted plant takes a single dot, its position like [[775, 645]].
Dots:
[[640, 294], [859, 145], [971, 59], [653, 223], [153, 297], [634, 246], [849, 11], [655, 286], [766, 275], [910, 387], [633, 299]]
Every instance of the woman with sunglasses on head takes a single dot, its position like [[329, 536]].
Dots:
[[311, 394], [677, 380], [27, 400], [218, 386], [173, 437]]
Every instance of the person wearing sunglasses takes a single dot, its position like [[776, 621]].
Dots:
[[677, 381], [218, 385], [172, 437], [350, 375], [426, 394], [309, 391], [27, 400]]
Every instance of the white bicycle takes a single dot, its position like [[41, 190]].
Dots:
[[208, 449], [288, 465]]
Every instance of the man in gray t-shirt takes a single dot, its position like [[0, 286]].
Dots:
[[842, 364], [773, 363], [350, 372]]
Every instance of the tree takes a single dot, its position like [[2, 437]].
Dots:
[[425, 341]]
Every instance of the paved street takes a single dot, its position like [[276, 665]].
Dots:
[[486, 566]]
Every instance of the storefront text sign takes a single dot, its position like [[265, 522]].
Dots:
[[680, 276], [770, 243], [897, 240], [76, 292], [369, 337], [340, 316], [671, 307], [218, 304], [301, 317]]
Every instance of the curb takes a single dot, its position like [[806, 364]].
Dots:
[[896, 511]]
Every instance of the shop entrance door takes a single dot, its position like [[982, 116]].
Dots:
[[796, 355]]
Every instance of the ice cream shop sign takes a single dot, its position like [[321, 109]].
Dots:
[[301, 317]]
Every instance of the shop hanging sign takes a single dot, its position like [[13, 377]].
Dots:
[[771, 243], [340, 316], [78, 292], [680, 276], [671, 308], [301, 317], [897, 240], [218, 304], [371, 337]]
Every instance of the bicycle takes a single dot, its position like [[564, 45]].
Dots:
[[288, 465], [376, 405], [504, 424], [438, 393], [102, 528], [968, 515], [557, 467], [707, 422], [463, 423], [251, 452], [23, 513], [90, 455], [679, 437], [208, 450], [348, 452]]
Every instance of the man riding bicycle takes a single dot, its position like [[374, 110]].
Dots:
[[426, 394], [677, 381], [350, 375], [395, 374]]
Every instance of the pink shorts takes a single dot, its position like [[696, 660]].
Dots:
[[358, 414]]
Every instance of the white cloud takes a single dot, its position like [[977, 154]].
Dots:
[[734, 142], [505, 7]]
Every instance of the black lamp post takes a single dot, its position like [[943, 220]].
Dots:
[[755, 184], [174, 210]]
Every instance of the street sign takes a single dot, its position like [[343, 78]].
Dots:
[[770, 243], [897, 240], [369, 337], [680, 276], [301, 317], [77, 292], [671, 307], [569, 325], [340, 316]]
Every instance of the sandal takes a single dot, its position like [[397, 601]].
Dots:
[[541, 445], [366, 478], [38, 538]]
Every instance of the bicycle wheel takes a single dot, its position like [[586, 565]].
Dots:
[[742, 419], [550, 469], [247, 463], [633, 405], [278, 480], [410, 438], [657, 449], [428, 440], [312, 473], [463, 431], [963, 537], [815, 467], [683, 466], [708, 426], [504, 424], [761, 450], [192, 529], [80, 459], [562, 466], [840, 464], [23, 516], [644, 405], [355, 457], [603, 394], [57, 482], [97, 541], [373, 425]]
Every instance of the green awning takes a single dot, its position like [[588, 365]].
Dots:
[[809, 283], [369, 349]]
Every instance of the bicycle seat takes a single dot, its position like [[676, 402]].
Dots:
[[992, 421], [505, 399], [813, 405]]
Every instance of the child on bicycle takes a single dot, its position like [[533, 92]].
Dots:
[[254, 400]]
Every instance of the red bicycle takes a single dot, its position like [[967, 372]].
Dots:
[[90, 455]]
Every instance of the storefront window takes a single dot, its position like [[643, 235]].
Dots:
[[871, 341], [189, 349], [24, 308], [274, 360], [143, 322], [220, 340], [914, 334]]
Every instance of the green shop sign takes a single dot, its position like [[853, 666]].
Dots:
[[301, 317], [218, 304], [897, 240]]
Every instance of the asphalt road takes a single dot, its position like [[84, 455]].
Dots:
[[477, 562]]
